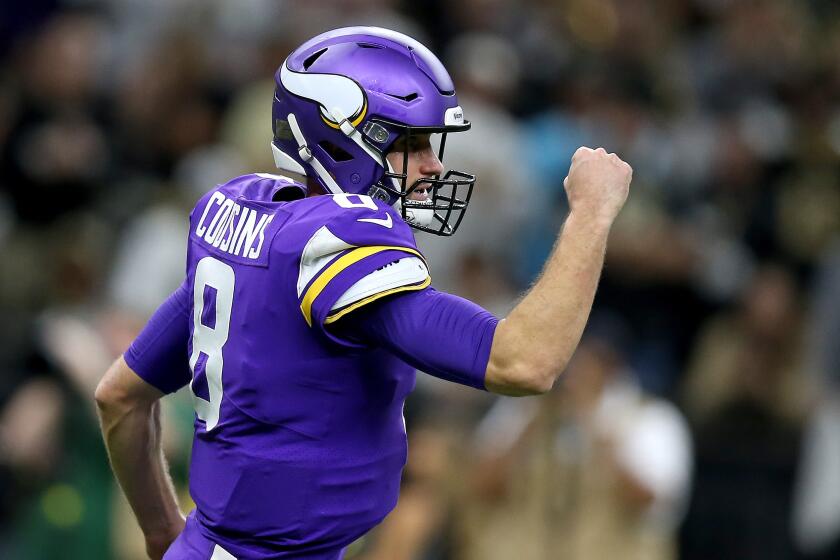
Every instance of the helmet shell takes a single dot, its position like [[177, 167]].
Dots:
[[398, 83]]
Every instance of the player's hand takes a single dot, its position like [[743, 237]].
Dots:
[[157, 544], [597, 184]]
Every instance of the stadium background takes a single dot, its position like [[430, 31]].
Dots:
[[721, 292]]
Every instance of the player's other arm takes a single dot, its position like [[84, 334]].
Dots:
[[533, 344], [129, 412], [127, 399]]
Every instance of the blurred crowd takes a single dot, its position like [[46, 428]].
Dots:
[[700, 417]]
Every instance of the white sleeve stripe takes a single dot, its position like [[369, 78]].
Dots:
[[406, 271], [319, 251]]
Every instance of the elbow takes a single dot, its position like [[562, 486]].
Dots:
[[104, 397], [538, 381], [520, 380], [112, 403], [109, 397], [120, 394], [518, 368]]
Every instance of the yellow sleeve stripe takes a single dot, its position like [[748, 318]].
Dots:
[[374, 297], [335, 269]]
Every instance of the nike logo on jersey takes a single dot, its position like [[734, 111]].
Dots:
[[379, 221]]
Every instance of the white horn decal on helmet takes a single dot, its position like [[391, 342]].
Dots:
[[328, 90]]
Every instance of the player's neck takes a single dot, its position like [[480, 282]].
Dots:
[[313, 187]]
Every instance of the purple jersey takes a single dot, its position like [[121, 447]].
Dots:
[[299, 437]]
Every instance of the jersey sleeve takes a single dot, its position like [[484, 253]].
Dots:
[[159, 353], [364, 255], [438, 333]]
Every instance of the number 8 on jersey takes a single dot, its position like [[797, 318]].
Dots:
[[212, 291]]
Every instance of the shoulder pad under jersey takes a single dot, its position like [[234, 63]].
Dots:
[[359, 250], [237, 219]]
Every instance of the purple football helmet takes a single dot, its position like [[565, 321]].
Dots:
[[341, 101]]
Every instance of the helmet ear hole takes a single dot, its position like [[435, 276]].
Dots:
[[337, 153]]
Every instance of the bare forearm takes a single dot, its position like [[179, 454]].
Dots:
[[539, 336], [133, 440]]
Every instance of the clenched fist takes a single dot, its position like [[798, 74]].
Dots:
[[597, 184]]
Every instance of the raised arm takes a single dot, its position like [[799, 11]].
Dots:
[[533, 344]]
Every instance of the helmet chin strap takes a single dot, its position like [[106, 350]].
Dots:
[[420, 216], [306, 155], [353, 134]]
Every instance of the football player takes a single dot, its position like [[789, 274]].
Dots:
[[302, 318]]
